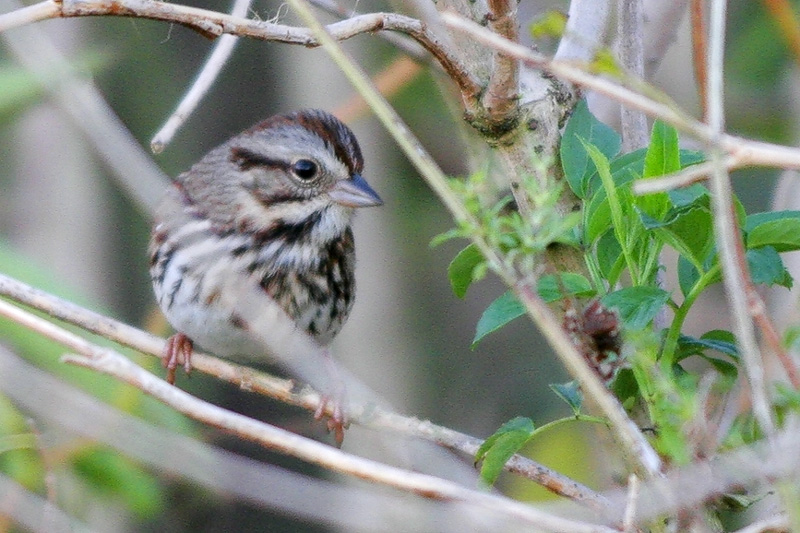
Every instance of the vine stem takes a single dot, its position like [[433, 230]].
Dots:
[[671, 340]]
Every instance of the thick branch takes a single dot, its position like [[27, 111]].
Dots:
[[746, 152], [502, 93]]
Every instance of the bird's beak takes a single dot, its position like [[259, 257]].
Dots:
[[354, 192]]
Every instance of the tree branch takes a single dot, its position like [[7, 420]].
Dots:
[[729, 241], [213, 24], [746, 152], [369, 416], [116, 365], [643, 457], [502, 93]]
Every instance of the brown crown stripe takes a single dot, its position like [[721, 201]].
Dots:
[[328, 128]]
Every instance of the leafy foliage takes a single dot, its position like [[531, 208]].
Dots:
[[505, 442], [622, 237]]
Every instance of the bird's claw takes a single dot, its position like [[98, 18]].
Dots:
[[178, 351]]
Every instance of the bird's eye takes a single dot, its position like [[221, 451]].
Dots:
[[305, 169]]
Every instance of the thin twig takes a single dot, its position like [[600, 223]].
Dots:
[[628, 519], [396, 76], [214, 23], [29, 14], [205, 79], [500, 101], [770, 335], [114, 364], [747, 152], [729, 240], [401, 42], [699, 57], [369, 416], [754, 465], [641, 454], [676, 180], [59, 405], [32, 511]]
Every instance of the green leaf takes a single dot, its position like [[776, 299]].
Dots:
[[687, 275], [688, 196], [551, 289], [662, 158], [691, 234], [504, 443], [725, 368], [462, 269], [624, 169], [570, 392], [112, 473], [687, 227], [691, 157], [766, 267], [625, 387], [722, 340], [551, 24], [741, 502], [605, 62], [756, 219], [719, 340], [598, 217], [583, 128], [448, 235], [783, 234], [787, 397], [663, 155], [637, 306], [791, 337], [609, 257], [499, 313], [611, 190]]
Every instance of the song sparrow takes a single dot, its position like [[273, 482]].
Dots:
[[273, 207]]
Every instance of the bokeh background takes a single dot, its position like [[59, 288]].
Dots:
[[67, 225]]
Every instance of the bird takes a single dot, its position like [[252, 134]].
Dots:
[[269, 211]]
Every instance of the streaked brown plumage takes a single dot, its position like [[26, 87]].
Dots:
[[272, 206]]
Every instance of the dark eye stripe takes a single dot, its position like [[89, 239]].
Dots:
[[247, 159]]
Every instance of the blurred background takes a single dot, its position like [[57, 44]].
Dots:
[[69, 226]]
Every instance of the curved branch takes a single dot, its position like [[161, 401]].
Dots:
[[213, 24], [284, 390], [115, 364]]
